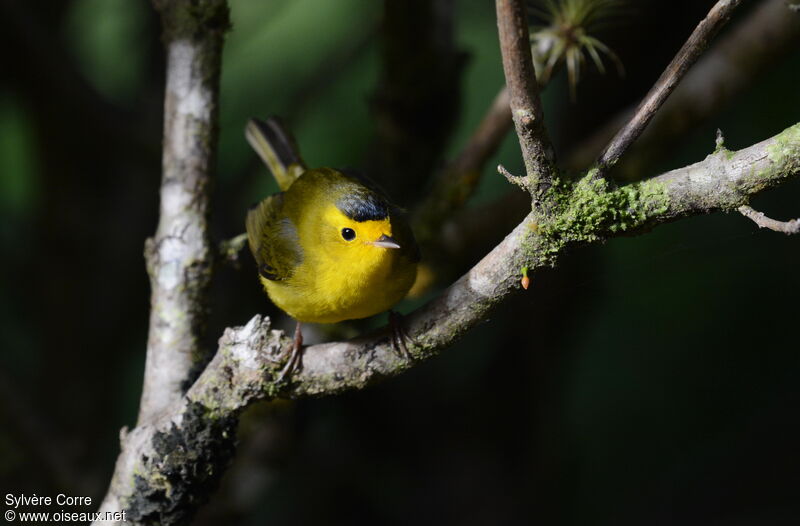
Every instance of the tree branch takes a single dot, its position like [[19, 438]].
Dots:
[[526, 107], [156, 485], [744, 53], [669, 79], [728, 67], [179, 257], [787, 227], [726, 70]]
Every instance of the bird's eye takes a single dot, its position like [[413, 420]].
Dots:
[[348, 234]]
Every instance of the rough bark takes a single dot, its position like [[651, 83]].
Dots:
[[179, 257], [523, 91]]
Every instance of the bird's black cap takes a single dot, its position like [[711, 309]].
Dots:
[[361, 204]]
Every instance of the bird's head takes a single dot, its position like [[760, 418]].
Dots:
[[370, 236], [358, 228]]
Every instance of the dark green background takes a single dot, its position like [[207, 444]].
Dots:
[[652, 380]]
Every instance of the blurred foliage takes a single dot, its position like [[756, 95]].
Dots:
[[567, 36], [18, 186], [103, 35], [653, 380]]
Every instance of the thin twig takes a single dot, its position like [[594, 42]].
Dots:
[[687, 55], [459, 179], [526, 106], [787, 227], [511, 178], [727, 69]]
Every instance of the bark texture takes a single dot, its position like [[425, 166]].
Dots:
[[523, 91], [179, 263], [179, 256]]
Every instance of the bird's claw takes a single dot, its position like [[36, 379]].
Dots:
[[399, 335], [295, 353]]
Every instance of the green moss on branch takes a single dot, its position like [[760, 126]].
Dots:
[[591, 210], [785, 150]]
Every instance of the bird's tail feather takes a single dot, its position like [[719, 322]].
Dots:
[[276, 147]]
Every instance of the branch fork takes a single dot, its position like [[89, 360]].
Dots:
[[717, 17], [523, 89]]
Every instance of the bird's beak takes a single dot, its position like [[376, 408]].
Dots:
[[385, 242]]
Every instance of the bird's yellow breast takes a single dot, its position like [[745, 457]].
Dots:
[[328, 291], [340, 280]]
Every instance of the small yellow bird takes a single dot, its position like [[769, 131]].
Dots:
[[330, 246]]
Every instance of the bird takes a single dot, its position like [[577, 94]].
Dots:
[[330, 246]]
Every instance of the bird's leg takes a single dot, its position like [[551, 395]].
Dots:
[[293, 363], [399, 335]]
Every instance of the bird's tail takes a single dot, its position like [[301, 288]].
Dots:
[[276, 147]]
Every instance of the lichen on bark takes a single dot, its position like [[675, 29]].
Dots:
[[183, 469], [591, 210]]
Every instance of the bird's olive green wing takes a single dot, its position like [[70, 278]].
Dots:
[[273, 239]]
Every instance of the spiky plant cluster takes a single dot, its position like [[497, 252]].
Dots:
[[566, 38]]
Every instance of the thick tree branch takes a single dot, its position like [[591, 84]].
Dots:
[[156, 485], [179, 257], [669, 79], [523, 90]]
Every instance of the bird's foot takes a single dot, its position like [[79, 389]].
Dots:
[[399, 335], [295, 354]]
